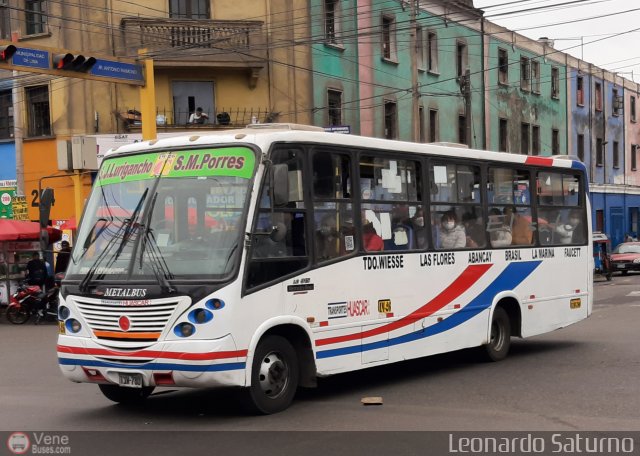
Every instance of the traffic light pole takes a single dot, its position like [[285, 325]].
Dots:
[[148, 101]]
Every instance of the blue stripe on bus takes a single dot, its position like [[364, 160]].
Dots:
[[512, 276], [154, 366]]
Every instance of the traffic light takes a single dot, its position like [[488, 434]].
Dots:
[[72, 62], [6, 52]]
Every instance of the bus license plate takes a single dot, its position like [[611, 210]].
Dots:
[[130, 380]]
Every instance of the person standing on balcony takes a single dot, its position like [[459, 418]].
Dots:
[[198, 117]]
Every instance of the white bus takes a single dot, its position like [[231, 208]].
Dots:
[[267, 257]]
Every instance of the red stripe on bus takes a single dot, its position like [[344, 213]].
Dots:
[[153, 353], [468, 277], [540, 161]]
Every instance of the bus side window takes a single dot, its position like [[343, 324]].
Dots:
[[334, 234]]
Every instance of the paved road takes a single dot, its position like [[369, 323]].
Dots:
[[584, 377]]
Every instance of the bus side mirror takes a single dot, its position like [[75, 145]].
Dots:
[[280, 179]]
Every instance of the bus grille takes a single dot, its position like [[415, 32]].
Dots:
[[126, 323]]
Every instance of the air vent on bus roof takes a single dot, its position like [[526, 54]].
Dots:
[[449, 144], [567, 157], [283, 126]]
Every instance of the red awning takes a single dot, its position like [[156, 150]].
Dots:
[[17, 230]]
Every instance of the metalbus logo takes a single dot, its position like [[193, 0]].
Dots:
[[18, 443]]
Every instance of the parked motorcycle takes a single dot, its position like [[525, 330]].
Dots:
[[30, 300]]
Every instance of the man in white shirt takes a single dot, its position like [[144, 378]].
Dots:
[[198, 117]]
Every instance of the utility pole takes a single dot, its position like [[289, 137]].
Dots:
[[415, 93]]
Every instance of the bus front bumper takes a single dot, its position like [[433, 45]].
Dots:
[[198, 363]]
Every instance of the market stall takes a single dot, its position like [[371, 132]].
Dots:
[[18, 240]]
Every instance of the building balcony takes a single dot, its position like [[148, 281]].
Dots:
[[179, 43], [172, 120]]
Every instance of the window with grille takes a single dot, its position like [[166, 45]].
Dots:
[[535, 140], [388, 38], [503, 66], [555, 82], [555, 141], [432, 52], [525, 73], [580, 91], [524, 138], [390, 120], [535, 76], [334, 107], [504, 142], [599, 152], [598, 96], [35, 17], [331, 21], [581, 147], [6, 114], [189, 9], [5, 24], [39, 119]]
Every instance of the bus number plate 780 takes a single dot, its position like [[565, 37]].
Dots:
[[130, 380]]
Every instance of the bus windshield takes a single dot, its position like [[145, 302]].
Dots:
[[170, 215]]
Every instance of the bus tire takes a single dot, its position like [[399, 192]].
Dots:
[[499, 336], [126, 396], [274, 377]]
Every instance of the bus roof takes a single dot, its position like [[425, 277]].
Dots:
[[264, 135]]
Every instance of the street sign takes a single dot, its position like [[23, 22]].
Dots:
[[67, 63], [31, 58], [118, 70], [344, 129]]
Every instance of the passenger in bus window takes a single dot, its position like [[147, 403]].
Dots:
[[572, 231], [499, 232], [474, 230], [420, 233], [327, 238], [372, 241], [521, 233], [452, 235]]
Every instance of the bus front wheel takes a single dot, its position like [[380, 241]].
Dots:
[[499, 336], [274, 376], [125, 396]]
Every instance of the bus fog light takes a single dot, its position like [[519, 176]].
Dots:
[[184, 330], [63, 313], [200, 316], [215, 304], [73, 325]]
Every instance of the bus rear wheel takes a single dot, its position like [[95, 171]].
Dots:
[[274, 377], [499, 336], [126, 396]]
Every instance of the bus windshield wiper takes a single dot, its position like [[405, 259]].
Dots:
[[126, 226], [158, 263], [129, 224]]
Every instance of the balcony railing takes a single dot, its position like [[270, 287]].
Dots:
[[199, 38], [176, 120]]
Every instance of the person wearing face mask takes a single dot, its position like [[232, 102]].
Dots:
[[570, 232], [452, 235], [419, 230]]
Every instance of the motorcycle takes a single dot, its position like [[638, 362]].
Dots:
[[30, 300]]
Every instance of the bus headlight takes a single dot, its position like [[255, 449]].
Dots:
[[184, 330], [73, 325], [63, 313], [215, 304], [200, 316]]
